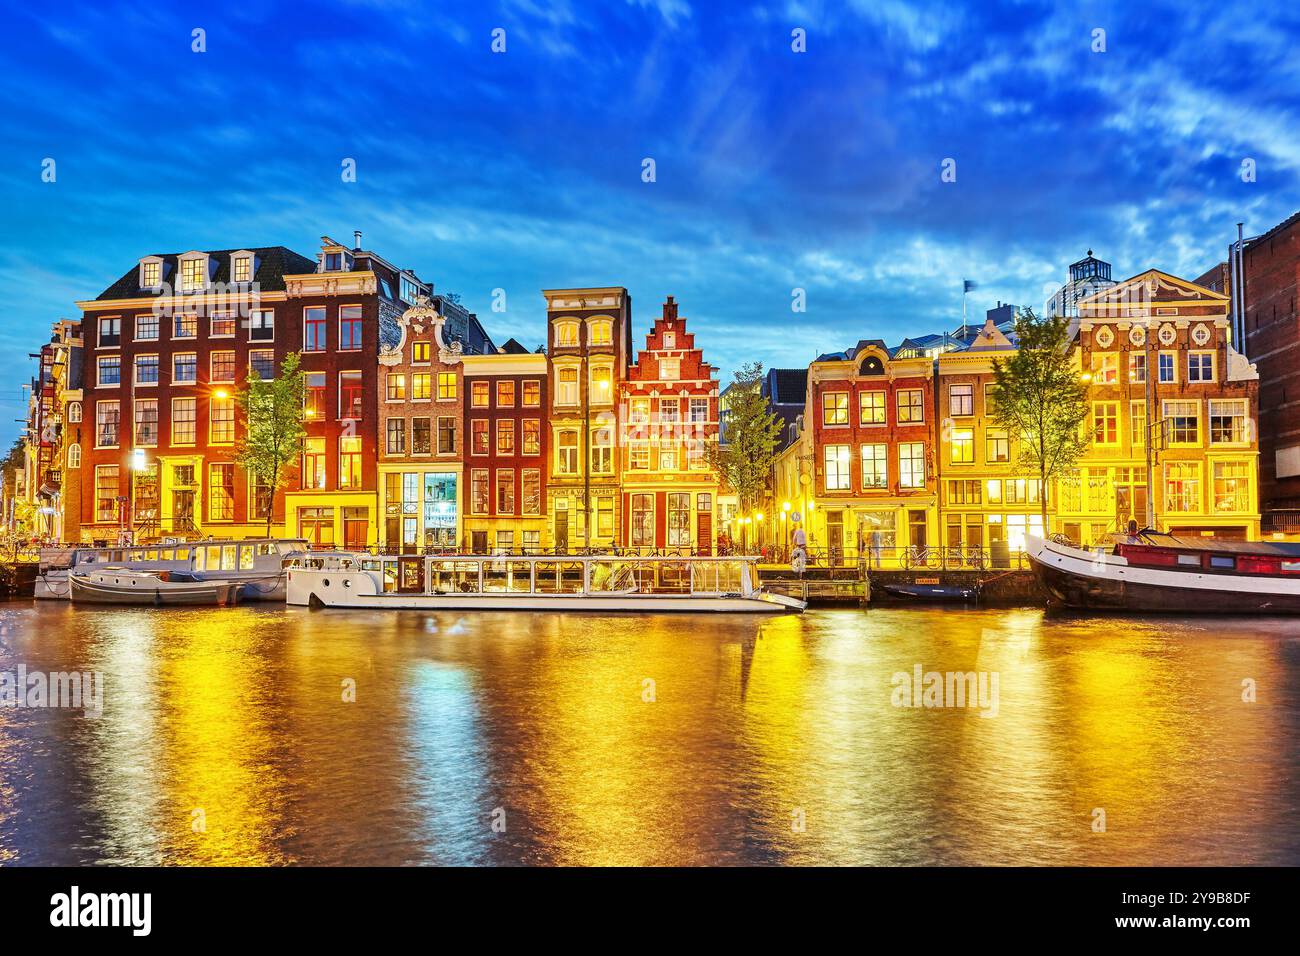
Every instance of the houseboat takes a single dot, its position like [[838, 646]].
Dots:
[[255, 563], [110, 585], [532, 583], [1153, 572]]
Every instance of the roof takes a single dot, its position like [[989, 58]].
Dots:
[[273, 264], [786, 386], [512, 347], [1284, 224]]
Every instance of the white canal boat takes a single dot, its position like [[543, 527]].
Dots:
[[111, 585], [532, 583], [258, 564]]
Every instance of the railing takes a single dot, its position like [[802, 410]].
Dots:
[[910, 557], [1282, 521]]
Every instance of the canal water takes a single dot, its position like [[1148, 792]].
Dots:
[[265, 735]]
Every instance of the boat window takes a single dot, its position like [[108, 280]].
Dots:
[[704, 577], [619, 575], [496, 576], [213, 558], [1219, 561], [1290, 565], [672, 577], [245, 557], [182, 554], [571, 577], [228, 557], [390, 575], [466, 576], [264, 548], [729, 576], [1192, 560], [152, 554], [200, 560], [136, 556], [520, 576], [547, 574]]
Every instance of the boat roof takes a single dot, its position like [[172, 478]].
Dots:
[[1160, 539]]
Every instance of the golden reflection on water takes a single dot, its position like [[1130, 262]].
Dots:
[[496, 738]]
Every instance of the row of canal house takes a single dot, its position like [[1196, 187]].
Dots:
[[898, 453], [422, 434]]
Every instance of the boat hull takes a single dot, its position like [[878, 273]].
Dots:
[[586, 603], [53, 585], [215, 594], [1080, 580], [928, 593]]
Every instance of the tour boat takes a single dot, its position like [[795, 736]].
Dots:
[[255, 563], [112, 585], [1156, 572], [532, 583]]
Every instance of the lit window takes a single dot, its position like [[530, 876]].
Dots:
[[395, 387], [875, 466], [566, 334], [835, 408], [222, 325], [963, 446], [349, 462], [446, 386], [420, 352], [183, 421], [223, 367], [505, 394], [185, 326], [600, 332], [871, 408], [193, 274], [838, 458], [350, 395], [911, 464], [910, 407], [221, 491], [532, 397], [567, 392], [1105, 423], [221, 425]]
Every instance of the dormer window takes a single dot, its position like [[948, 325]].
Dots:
[[194, 272], [150, 272], [410, 291], [337, 261], [242, 266]]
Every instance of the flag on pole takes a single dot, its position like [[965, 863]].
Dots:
[[968, 285]]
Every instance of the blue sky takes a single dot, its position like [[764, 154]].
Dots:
[[775, 170]]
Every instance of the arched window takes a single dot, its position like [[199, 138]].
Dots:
[[600, 332], [74, 411], [566, 334], [74, 456]]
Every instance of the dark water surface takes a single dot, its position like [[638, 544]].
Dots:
[[768, 740]]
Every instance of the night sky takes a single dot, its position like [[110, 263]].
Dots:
[[775, 170]]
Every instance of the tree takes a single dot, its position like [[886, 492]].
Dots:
[[1040, 399], [273, 433], [752, 433]]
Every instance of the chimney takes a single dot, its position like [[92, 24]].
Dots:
[[670, 308], [356, 236]]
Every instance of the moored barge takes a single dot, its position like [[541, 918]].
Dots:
[[1153, 572]]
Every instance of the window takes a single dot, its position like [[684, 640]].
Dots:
[[505, 436], [835, 408], [668, 457], [146, 421], [875, 465], [990, 406], [243, 270], [74, 412], [639, 456], [602, 451], [107, 417], [505, 491], [605, 517], [602, 388], [837, 467], [185, 327], [670, 369], [314, 396], [395, 387], [421, 436], [74, 455], [505, 394], [446, 386], [1200, 366], [410, 291], [679, 520], [261, 498], [150, 274], [146, 328], [396, 444], [314, 329], [910, 407], [185, 368], [696, 459], [531, 491], [997, 448], [1232, 486], [420, 353], [638, 411], [1105, 368], [567, 393], [446, 435], [965, 492], [349, 328], [261, 364], [110, 370], [349, 462], [221, 424], [223, 367], [532, 436], [478, 491], [699, 411], [193, 274], [1182, 486], [963, 446], [313, 464], [183, 421], [871, 408], [1228, 421], [643, 521], [478, 436], [1165, 368], [961, 400], [1105, 423], [222, 325], [479, 394], [110, 332], [670, 411], [911, 464], [421, 384], [350, 396], [106, 489], [566, 452], [261, 326], [221, 491], [670, 340], [1184, 420], [1137, 417], [600, 332], [566, 334], [1137, 367], [532, 397]]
